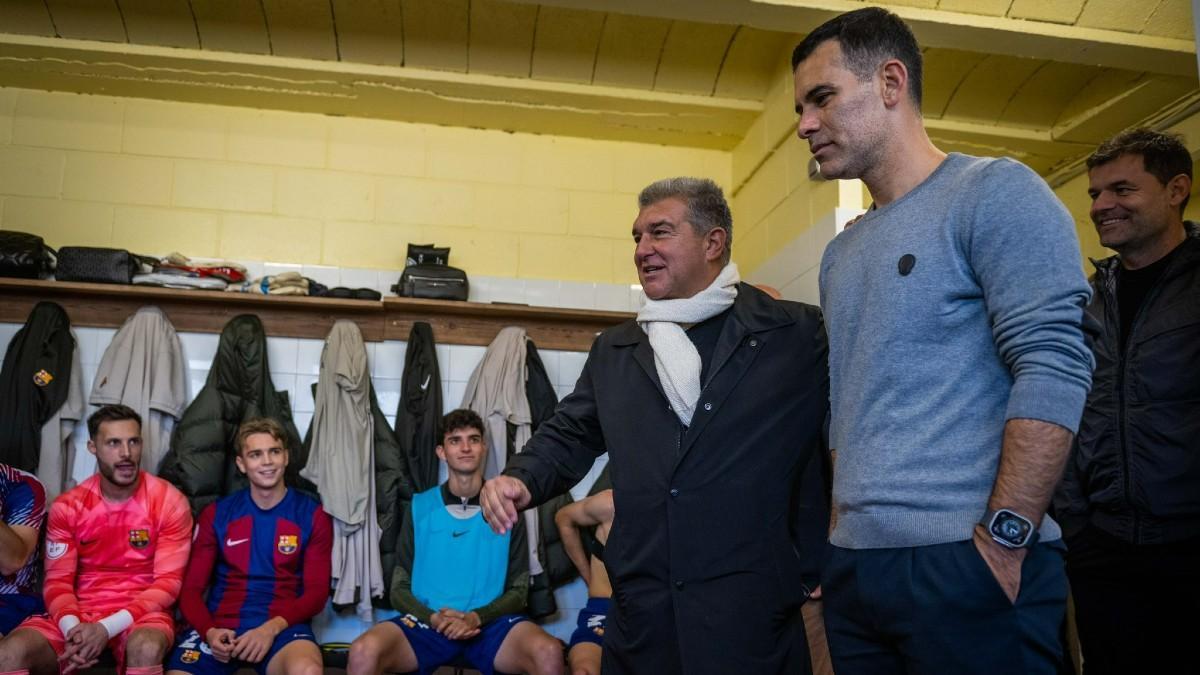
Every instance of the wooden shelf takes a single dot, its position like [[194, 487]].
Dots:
[[469, 323]]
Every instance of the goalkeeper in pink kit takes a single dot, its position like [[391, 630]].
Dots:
[[116, 548]]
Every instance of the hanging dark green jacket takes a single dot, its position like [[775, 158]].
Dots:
[[203, 446]]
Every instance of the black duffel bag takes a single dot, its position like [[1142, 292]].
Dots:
[[98, 265], [24, 255], [433, 282]]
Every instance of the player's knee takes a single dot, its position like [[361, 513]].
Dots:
[[16, 651], [10, 654], [364, 654], [546, 655], [145, 650], [306, 667]]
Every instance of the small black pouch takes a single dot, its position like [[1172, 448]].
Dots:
[[433, 282], [427, 254], [24, 255], [99, 265]]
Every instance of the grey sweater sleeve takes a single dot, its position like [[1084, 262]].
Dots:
[[1025, 254]]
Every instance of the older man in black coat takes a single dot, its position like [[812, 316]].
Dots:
[[710, 405]]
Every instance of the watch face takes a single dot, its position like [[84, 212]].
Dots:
[[1011, 527]]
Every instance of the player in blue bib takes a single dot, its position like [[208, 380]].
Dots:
[[460, 587]]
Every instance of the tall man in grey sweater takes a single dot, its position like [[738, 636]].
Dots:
[[958, 374]]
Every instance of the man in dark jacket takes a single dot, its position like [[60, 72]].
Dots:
[[709, 405], [1130, 499]]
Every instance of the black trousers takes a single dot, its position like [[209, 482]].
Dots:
[[938, 609], [1137, 608]]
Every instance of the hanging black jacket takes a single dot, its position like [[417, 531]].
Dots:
[[1135, 469], [419, 414], [557, 568], [33, 383], [203, 445]]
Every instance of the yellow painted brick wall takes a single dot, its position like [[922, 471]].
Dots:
[[157, 176], [774, 201], [1074, 195]]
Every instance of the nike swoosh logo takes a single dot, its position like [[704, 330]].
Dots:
[[235, 542], [458, 534], [426, 383]]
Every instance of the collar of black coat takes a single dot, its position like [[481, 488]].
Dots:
[[1187, 254], [451, 499], [753, 309]]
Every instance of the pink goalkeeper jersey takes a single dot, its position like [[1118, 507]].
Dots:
[[102, 557]]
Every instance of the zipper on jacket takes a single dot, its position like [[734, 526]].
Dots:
[[1122, 418]]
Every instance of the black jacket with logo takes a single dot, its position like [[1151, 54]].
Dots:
[[1135, 469], [33, 383]]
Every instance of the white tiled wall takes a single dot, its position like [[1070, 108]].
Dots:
[[295, 364]]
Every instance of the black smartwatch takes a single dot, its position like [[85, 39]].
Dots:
[[1009, 528]]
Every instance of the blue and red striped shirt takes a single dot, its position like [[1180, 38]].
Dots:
[[22, 502], [273, 562]]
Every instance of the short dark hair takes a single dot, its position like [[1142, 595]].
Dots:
[[868, 37], [261, 425], [1164, 155], [706, 204], [111, 413], [460, 419]]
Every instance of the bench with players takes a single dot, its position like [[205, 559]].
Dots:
[[121, 551]]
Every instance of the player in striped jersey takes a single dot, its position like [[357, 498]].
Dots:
[[116, 546], [22, 514], [270, 548]]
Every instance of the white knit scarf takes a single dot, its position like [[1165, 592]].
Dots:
[[675, 357]]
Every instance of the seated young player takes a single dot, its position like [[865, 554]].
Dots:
[[116, 546], [22, 513], [449, 559], [583, 654], [271, 549]]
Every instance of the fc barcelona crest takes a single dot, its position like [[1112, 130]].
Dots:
[[288, 543], [139, 538], [190, 656]]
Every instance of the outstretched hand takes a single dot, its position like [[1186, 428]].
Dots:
[[502, 498]]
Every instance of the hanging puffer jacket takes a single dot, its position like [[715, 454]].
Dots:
[[34, 383], [203, 445]]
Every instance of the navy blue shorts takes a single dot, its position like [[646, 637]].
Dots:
[[16, 608], [590, 626], [193, 655], [434, 649]]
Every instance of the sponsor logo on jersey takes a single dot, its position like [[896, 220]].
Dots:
[[456, 535], [288, 543], [55, 549], [42, 378], [139, 538], [190, 656], [234, 542]]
